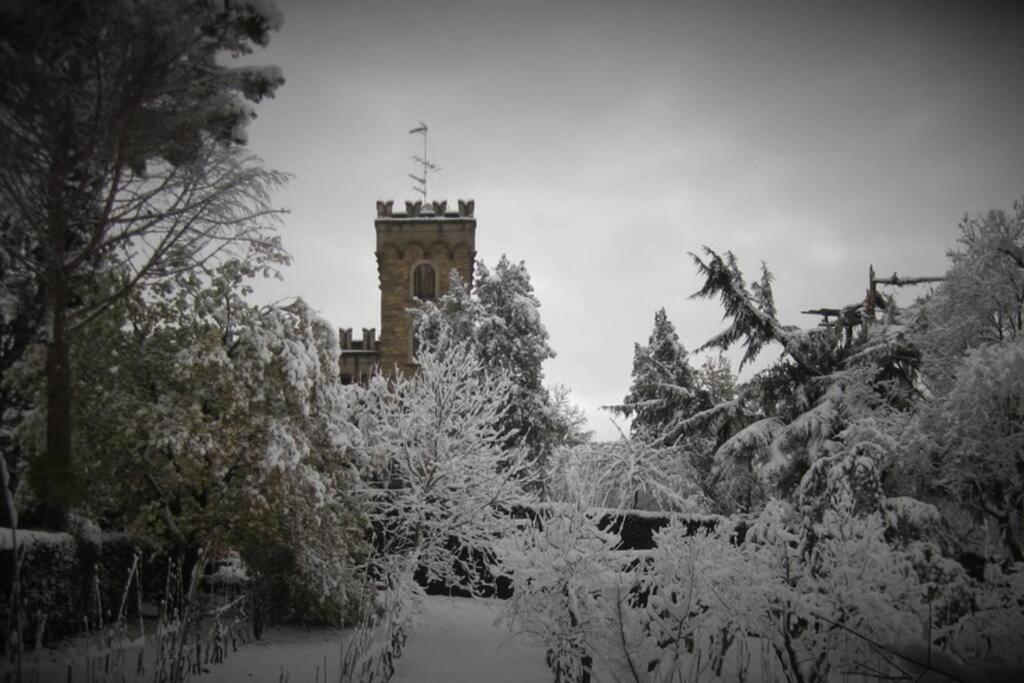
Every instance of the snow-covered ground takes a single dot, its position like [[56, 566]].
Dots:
[[288, 654], [457, 641]]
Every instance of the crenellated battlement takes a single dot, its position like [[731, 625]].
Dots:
[[359, 357], [425, 210], [349, 343]]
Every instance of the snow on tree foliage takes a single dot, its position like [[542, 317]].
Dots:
[[500, 320], [454, 315], [973, 436], [434, 468], [511, 335], [981, 300], [787, 416], [858, 572], [205, 421], [627, 474], [965, 439], [121, 125], [752, 310], [664, 385], [715, 377], [786, 600]]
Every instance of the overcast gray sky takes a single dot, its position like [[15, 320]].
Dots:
[[603, 140]]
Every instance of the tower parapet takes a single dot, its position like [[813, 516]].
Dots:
[[426, 210], [358, 356]]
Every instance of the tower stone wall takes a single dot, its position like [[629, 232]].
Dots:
[[426, 233]]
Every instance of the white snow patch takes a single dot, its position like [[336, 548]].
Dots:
[[29, 537], [459, 642]]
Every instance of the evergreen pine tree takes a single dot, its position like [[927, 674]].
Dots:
[[664, 384], [715, 376], [512, 338], [510, 334]]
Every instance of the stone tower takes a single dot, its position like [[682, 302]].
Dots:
[[416, 252]]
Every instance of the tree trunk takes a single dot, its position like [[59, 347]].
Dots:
[[1014, 532], [54, 475], [57, 481]]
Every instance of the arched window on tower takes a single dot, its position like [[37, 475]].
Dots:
[[424, 282]]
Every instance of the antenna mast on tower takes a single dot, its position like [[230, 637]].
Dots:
[[428, 167]]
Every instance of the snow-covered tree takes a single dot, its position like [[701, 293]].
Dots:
[[664, 387], [964, 441], [715, 377], [202, 420], [625, 474], [511, 334], [981, 300], [500, 320], [122, 125], [512, 337], [435, 472], [559, 567], [793, 412], [452, 317], [967, 445], [567, 421]]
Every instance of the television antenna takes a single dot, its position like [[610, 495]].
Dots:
[[426, 166]]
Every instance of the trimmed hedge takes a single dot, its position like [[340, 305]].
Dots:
[[636, 527], [67, 581]]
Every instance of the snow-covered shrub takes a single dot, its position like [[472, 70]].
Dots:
[[786, 596], [561, 567], [995, 624], [625, 474], [369, 652], [569, 579], [434, 473], [800, 601], [779, 602]]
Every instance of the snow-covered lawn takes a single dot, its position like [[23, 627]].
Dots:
[[283, 654], [457, 641]]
